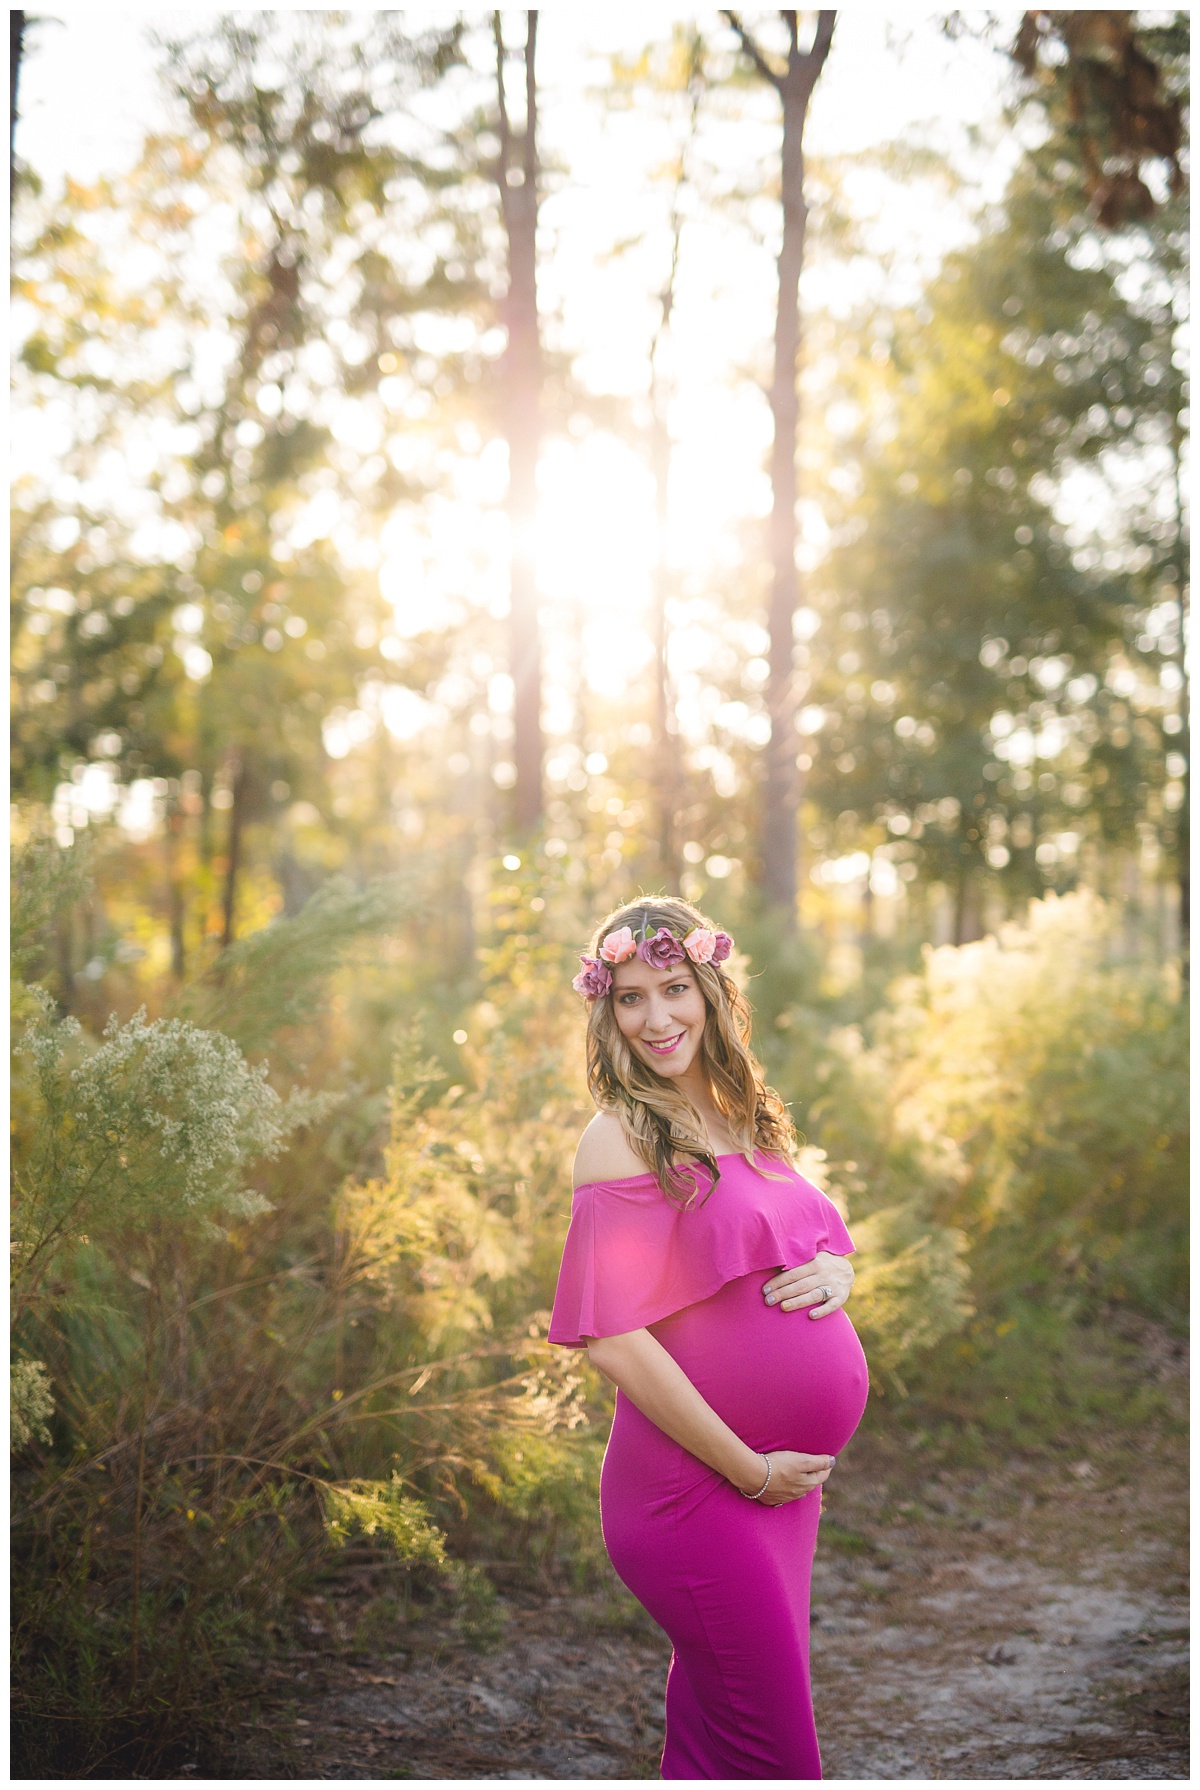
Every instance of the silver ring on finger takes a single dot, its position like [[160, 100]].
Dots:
[[826, 1293]]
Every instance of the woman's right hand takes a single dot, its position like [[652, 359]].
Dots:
[[794, 1474], [654, 1381]]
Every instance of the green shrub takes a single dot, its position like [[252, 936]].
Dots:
[[1011, 1138], [1058, 1074]]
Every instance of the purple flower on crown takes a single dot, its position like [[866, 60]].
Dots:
[[722, 946], [661, 951], [594, 979]]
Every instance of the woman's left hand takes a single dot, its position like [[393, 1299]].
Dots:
[[818, 1287]]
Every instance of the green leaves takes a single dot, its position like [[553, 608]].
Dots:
[[911, 1289], [44, 880], [957, 595], [1052, 1077], [277, 976], [377, 1507]]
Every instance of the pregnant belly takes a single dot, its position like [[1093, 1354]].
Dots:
[[780, 1379]]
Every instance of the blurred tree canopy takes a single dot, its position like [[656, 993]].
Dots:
[[351, 361], [994, 693]]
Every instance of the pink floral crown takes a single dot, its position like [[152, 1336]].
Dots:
[[659, 949]]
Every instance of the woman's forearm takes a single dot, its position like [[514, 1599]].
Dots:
[[658, 1386]]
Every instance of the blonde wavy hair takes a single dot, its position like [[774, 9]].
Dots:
[[661, 1123]]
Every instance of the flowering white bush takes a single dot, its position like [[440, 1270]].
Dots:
[[30, 1402], [159, 1120]]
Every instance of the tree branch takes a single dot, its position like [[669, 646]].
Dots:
[[804, 69], [823, 38], [752, 50], [505, 127], [530, 142]]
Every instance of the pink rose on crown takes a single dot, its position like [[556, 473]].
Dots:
[[700, 944], [593, 980], [618, 945], [661, 951]]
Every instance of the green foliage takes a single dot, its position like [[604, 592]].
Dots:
[[377, 1507], [277, 977], [1112, 87], [1059, 1075], [1019, 1132], [1039, 1383], [910, 1294], [1004, 694], [132, 1644], [43, 880], [227, 1396]]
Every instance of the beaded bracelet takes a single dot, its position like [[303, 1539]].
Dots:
[[755, 1496]]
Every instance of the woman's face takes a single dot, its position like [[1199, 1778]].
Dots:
[[660, 1013]]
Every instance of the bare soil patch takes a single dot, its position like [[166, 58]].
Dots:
[[1044, 1639], [1022, 1621]]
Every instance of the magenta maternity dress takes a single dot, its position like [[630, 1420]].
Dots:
[[727, 1578]]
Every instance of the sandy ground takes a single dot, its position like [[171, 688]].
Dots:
[[1051, 1643], [1024, 1622]]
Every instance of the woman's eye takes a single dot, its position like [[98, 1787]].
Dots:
[[678, 988]]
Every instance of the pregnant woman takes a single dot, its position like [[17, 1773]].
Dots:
[[705, 1277]]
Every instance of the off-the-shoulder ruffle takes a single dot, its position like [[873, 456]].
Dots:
[[632, 1257]]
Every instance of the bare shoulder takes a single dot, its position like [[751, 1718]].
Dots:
[[605, 1153]]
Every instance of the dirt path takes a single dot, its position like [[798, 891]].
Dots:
[[1023, 1623], [1047, 1642]]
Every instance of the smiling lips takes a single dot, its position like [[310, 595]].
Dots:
[[662, 1047]]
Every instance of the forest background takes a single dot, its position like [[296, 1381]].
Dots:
[[404, 573]]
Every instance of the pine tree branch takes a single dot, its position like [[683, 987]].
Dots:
[[823, 38], [530, 140], [752, 50], [505, 127]]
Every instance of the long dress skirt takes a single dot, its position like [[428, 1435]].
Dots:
[[727, 1578]]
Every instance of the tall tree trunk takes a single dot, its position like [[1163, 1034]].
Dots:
[[233, 861], [868, 913], [517, 180], [967, 918], [64, 940], [781, 794], [666, 737], [666, 778], [782, 789], [16, 50], [176, 891], [1183, 738]]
